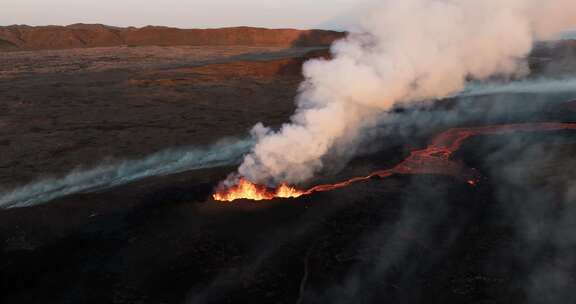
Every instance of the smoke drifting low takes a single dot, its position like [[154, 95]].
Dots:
[[539, 86], [165, 162], [404, 51]]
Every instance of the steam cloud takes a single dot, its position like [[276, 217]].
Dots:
[[404, 51]]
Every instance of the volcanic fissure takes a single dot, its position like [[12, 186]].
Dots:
[[436, 159]]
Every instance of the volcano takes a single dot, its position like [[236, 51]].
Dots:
[[111, 160], [434, 159]]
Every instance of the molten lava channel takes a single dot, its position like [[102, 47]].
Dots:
[[245, 189], [434, 159]]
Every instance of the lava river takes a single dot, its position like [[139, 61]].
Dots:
[[436, 158]]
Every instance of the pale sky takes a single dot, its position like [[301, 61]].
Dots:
[[181, 13]]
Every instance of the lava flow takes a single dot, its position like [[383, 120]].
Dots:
[[434, 159], [245, 189]]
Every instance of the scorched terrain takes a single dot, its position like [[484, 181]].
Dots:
[[471, 222]]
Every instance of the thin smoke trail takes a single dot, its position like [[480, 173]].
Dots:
[[518, 87], [161, 163]]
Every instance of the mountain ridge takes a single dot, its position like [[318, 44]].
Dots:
[[80, 35]]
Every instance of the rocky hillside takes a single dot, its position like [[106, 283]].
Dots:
[[22, 37]]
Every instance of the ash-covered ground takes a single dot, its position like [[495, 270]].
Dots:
[[160, 238], [61, 109]]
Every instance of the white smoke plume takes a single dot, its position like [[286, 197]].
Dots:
[[403, 51]]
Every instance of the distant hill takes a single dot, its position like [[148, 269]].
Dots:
[[23, 37]]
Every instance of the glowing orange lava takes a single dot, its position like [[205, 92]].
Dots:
[[248, 190], [434, 159]]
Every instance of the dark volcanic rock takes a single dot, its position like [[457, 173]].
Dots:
[[553, 59], [87, 35], [6, 45], [80, 107]]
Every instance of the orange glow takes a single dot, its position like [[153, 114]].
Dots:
[[248, 190], [286, 191], [434, 159]]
